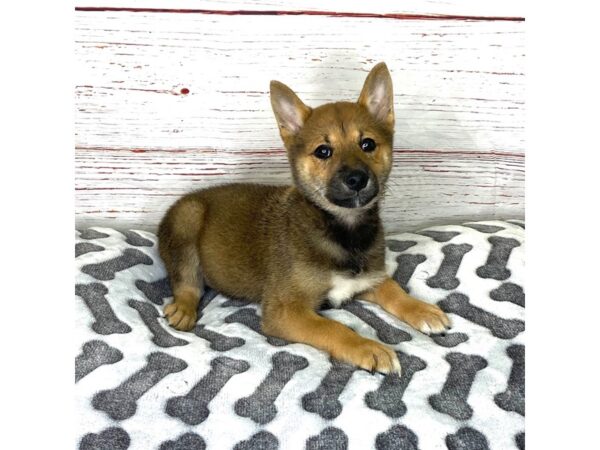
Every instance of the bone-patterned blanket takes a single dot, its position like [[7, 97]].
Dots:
[[142, 385]]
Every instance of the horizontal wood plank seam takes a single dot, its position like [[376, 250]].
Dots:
[[282, 151], [300, 13]]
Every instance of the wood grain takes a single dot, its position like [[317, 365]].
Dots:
[[170, 102]]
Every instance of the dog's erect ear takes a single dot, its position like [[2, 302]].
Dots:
[[289, 110], [377, 95]]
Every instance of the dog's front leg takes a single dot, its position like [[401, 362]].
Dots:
[[422, 316], [298, 322]]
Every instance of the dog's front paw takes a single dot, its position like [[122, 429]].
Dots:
[[181, 316], [370, 355], [427, 318]]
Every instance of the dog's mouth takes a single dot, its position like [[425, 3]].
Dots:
[[347, 198], [355, 201]]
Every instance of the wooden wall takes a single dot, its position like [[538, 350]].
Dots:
[[173, 96]]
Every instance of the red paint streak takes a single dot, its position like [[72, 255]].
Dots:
[[279, 151], [150, 194], [299, 13], [138, 150], [203, 174], [264, 152], [185, 91], [138, 211], [480, 154], [157, 91]]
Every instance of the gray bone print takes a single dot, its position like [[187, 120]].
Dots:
[[106, 322], [81, 248], [385, 332], [192, 408], [155, 291], [397, 437], [517, 222], [406, 267], [495, 266], [399, 246], [520, 440], [509, 292], [483, 228], [449, 339], [387, 398], [121, 402], [263, 440], [106, 270], [260, 406], [324, 400], [331, 438], [187, 441], [513, 398], [445, 278], [459, 304], [93, 355], [251, 319], [113, 438], [467, 438], [281, 396], [235, 303], [150, 315], [218, 341], [133, 238], [439, 236], [208, 296], [452, 400], [90, 234]]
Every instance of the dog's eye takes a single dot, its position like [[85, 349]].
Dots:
[[368, 144], [323, 152]]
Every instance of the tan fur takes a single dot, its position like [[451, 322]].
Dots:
[[421, 316], [284, 246]]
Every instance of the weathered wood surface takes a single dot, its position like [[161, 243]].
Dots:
[[169, 102]]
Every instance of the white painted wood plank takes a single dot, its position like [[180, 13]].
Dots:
[[126, 188], [141, 143], [489, 8], [458, 85]]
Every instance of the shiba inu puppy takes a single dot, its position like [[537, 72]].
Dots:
[[293, 247]]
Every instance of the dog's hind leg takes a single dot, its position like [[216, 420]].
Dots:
[[178, 236]]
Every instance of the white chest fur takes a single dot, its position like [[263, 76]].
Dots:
[[344, 287]]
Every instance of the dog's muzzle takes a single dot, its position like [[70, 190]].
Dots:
[[352, 188]]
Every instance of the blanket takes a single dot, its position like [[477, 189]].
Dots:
[[140, 384]]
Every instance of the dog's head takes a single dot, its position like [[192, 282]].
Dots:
[[340, 153]]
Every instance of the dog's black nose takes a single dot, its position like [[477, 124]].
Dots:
[[356, 180]]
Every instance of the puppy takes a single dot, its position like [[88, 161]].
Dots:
[[293, 247]]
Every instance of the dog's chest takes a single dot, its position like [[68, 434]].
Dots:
[[344, 287]]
